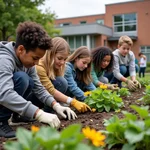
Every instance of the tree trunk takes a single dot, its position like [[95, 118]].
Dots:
[[4, 34]]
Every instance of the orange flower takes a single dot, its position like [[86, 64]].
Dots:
[[97, 138], [34, 128]]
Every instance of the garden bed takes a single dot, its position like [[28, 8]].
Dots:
[[95, 120]]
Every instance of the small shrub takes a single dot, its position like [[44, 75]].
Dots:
[[123, 92], [132, 132], [103, 99]]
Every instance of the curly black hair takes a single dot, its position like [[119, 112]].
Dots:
[[98, 55], [32, 35]]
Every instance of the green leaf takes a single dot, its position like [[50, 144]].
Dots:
[[24, 137], [82, 146], [128, 147], [107, 108], [142, 111], [70, 131], [99, 105], [13, 146], [129, 115], [133, 136]]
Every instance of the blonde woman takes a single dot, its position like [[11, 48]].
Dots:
[[51, 71], [77, 73]]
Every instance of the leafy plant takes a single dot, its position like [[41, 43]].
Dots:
[[146, 97], [132, 132], [143, 81], [104, 100], [124, 92], [47, 138]]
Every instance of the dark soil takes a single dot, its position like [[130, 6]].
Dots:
[[94, 120]]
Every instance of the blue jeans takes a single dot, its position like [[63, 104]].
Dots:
[[23, 85], [124, 70], [61, 84]]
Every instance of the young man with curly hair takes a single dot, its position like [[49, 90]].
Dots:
[[18, 79]]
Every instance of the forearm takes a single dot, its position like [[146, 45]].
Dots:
[[60, 96], [133, 78], [123, 79], [99, 83]]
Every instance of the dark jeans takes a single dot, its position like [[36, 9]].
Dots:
[[82, 86], [23, 85], [61, 84], [142, 70], [124, 70]]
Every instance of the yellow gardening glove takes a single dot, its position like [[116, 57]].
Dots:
[[80, 106], [131, 86]]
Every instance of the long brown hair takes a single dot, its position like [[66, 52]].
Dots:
[[59, 46], [82, 52]]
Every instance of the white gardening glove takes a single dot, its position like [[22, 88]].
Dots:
[[63, 111], [48, 118], [137, 83], [131, 85]]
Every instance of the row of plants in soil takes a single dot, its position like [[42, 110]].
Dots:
[[131, 132]]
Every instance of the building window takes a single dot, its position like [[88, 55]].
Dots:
[[82, 22], [76, 41], [125, 22], [146, 51], [64, 24], [100, 21]]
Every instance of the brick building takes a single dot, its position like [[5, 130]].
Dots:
[[126, 18]]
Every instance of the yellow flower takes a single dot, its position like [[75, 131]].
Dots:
[[118, 110], [88, 93], [97, 138], [103, 86], [35, 129]]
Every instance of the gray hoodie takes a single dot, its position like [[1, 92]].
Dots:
[[9, 64]]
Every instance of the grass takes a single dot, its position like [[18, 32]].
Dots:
[[147, 76]]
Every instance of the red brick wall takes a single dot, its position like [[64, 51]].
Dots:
[[76, 20]]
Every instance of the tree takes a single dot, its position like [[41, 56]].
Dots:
[[15, 11]]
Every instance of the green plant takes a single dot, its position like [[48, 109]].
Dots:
[[143, 81], [104, 100], [146, 97], [123, 92], [47, 138], [132, 132]]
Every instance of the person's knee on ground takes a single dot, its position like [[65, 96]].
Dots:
[[21, 82], [61, 84], [103, 80]]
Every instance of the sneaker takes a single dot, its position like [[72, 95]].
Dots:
[[6, 131], [20, 120]]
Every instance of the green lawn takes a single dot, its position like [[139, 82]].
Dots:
[[147, 76]]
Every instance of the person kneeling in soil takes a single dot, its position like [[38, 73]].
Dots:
[[51, 71], [102, 61], [18, 79], [77, 73], [124, 65]]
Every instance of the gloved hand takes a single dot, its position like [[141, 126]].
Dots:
[[113, 87], [80, 106], [61, 111], [131, 85], [48, 118], [137, 83]]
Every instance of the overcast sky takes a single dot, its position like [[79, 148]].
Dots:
[[72, 8]]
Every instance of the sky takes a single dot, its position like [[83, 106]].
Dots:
[[73, 8]]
